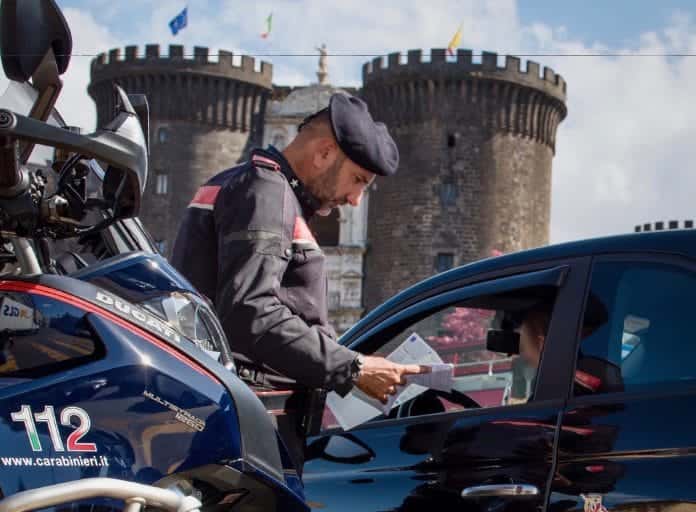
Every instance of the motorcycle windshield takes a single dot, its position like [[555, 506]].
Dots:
[[20, 98]]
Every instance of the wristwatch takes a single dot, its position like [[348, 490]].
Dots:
[[356, 368]]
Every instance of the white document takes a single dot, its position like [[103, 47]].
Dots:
[[357, 408], [441, 377]]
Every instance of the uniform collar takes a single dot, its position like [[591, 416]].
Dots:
[[309, 203]]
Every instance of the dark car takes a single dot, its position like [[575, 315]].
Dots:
[[607, 421]]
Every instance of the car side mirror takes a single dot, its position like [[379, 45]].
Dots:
[[503, 341], [340, 448]]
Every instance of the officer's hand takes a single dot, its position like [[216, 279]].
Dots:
[[380, 377]]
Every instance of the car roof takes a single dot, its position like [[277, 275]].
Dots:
[[673, 241]]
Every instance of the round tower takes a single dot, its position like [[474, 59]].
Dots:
[[205, 115], [476, 142]]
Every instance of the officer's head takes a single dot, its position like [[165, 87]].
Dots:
[[339, 150]]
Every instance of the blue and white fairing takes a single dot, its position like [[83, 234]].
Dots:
[[92, 384]]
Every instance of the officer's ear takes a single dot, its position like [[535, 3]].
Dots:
[[326, 152]]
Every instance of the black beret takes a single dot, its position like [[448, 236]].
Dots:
[[364, 141]]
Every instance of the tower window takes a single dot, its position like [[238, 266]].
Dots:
[[444, 261], [162, 184], [451, 140], [162, 135], [448, 194]]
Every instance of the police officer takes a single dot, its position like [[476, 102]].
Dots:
[[244, 242]]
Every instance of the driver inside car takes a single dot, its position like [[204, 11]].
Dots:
[[592, 375]]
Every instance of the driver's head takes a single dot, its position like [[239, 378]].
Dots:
[[533, 329]]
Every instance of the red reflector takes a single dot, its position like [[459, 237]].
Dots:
[[588, 381], [594, 469]]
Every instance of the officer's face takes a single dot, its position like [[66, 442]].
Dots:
[[344, 182]]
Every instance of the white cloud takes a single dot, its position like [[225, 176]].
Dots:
[[624, 153], [74, 104]]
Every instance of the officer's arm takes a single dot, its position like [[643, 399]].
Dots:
[[253, 254]]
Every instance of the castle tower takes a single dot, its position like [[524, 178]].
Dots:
[[205, 115], [476, 143]]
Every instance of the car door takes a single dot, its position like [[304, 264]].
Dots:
[[487, 445], [628, 439]]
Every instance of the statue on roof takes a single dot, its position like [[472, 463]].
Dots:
[[323, 72]]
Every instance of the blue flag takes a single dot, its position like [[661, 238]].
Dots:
[[179, 22]]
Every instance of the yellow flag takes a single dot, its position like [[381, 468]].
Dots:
[[454, 42]]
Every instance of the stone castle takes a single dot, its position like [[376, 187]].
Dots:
[[476, 139]]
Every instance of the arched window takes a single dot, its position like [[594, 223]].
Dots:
[[162, 184], [162, 135]]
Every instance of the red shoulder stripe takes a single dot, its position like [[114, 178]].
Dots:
[[301, 231], [205, 197]]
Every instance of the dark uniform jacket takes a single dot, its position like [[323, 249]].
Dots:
[[244, 243]]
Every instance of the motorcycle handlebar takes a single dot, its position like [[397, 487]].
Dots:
[[10, 173]]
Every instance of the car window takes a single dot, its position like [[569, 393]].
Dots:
[[458, 336], [475, 336], [637, 329]]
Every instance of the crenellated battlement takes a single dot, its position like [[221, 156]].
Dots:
[[413, 65], [662, 226], [195, 87], [132, 59], [409, 90]]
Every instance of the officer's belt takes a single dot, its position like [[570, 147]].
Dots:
[[282, 396], [257, 377]]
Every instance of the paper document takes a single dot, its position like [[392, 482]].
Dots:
[[356, 407]]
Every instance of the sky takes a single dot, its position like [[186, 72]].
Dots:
[[625, 153]]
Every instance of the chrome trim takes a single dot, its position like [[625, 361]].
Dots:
[[500, 490], [135, 495], [26, 256]]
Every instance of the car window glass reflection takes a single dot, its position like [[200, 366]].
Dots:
[[637, 329], [495, 344]]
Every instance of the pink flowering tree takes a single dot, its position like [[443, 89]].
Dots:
[[462, 335]]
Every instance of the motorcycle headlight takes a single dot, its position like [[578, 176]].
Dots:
[[192, 317]]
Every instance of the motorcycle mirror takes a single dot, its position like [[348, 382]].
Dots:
[[30, 30], [142, 110], [126, 185]]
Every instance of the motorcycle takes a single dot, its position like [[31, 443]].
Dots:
[[117, 387]]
